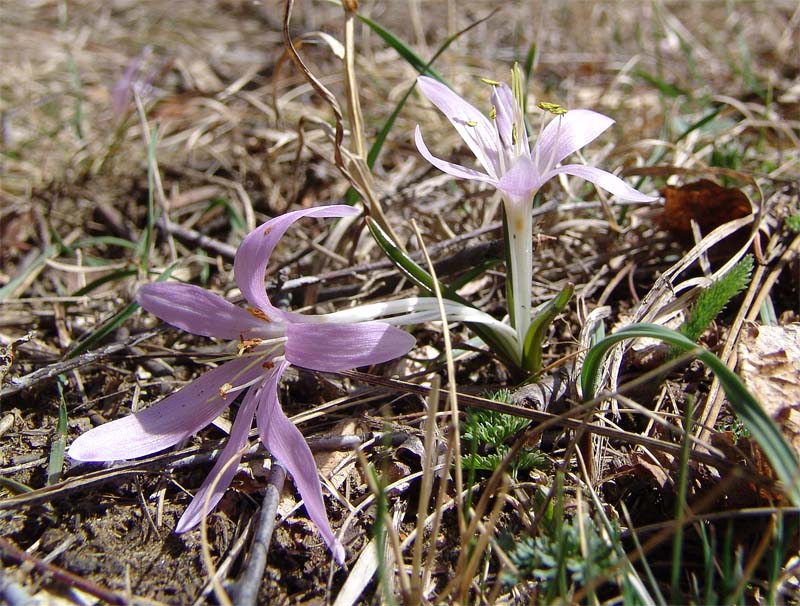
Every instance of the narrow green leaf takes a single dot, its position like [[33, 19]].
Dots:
[[412, 58], [763, 429], [532, 349], [55, 464]]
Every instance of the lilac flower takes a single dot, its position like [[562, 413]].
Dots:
[[517, 169], [269, 340], [132, 79]]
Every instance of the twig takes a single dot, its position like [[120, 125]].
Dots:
[[192, 236], [90, 357], [62, 575], [246, 591]]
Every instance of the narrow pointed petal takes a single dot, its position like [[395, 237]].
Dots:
[[567, 134], [503, 102], [198, 311], [476, 129], [220, 476], [603, 180], [335, 347], [289, 447], [169, 421], [250, 263], [456, 170]]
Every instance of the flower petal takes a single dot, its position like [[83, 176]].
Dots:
[[198, 311], [289, 447], [224, 469], [566, 134], [503, 101], [475, 128], [522, 180], [604, 180], [169, 421], [456, 170], [252, 258], [335, 347]]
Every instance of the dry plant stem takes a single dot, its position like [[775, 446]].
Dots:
[[486, 531], [159, 193], [354, 105], [219, 590], [451, 384], [547, 420], [426, 487], [194, 237], [90, 357], [357, 173], [61, 575], [246, 592]]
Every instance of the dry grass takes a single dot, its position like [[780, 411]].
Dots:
[[241, 136]]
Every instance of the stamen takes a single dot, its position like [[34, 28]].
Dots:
[[248, 344], [224, 390], [514, 134], [553, 108], [490, 82], [470, 123], [493, 113], [254, 311]]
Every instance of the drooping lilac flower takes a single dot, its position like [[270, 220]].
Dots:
[[132, 79], [517, 168], [269, 340]]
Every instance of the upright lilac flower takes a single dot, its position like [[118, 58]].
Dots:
[[269, 340], [517, 169]]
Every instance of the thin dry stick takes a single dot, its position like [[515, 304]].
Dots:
[[246, 592], [451, 383], [426, 487], [61, 575], [219, 590], [356, 170]]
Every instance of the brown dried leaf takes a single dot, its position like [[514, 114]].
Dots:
[[769, 363], [708, 204]]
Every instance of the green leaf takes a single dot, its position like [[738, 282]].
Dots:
[[532, 349], [412, 58], [423, 280], [763, 429], [55, 464]]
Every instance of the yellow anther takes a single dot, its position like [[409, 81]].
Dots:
[[493, 112], [223, 391], [553, 108], [470, 123], [490, 82], [514, 134], [257, 313]]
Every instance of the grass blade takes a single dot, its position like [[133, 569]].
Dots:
[[763, 429]]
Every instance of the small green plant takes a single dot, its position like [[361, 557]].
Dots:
[[714, 298], [489, 434], [793, 223]]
